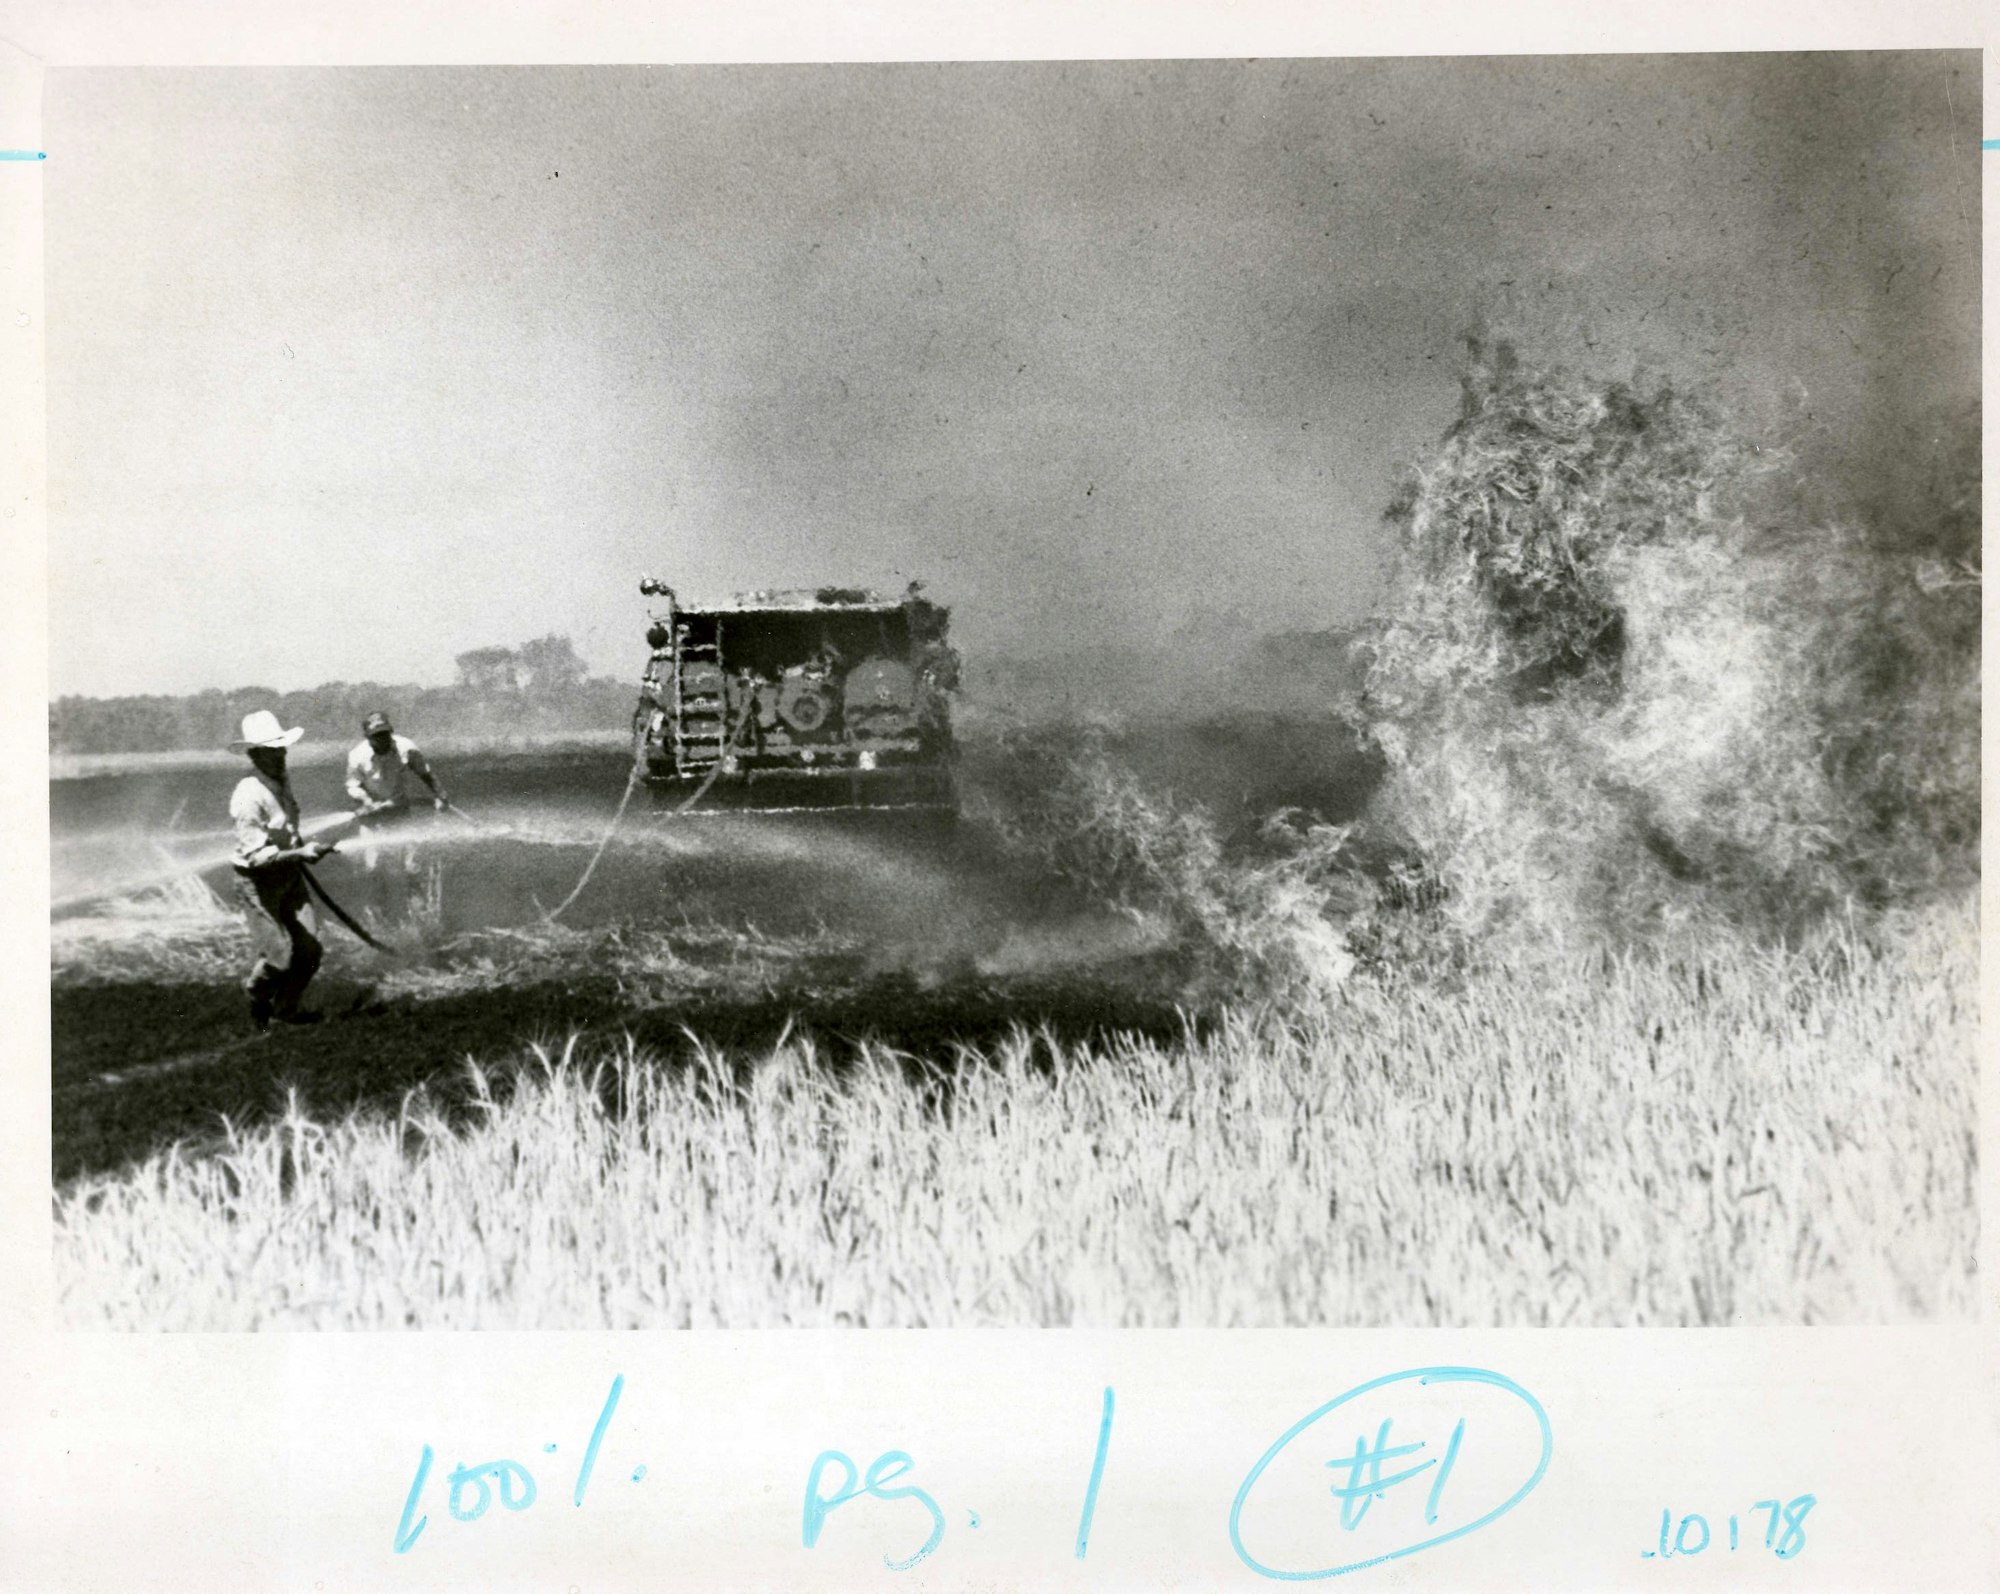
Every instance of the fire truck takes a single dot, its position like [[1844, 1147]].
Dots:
[[826, 698]]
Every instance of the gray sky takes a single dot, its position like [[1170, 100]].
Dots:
[[352, 370]]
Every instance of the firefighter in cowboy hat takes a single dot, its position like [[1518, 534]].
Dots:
[[270, 863], [379, 768]]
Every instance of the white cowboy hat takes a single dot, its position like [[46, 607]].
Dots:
[[261, 729]]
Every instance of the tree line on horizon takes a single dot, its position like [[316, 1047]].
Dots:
[[540, 687]]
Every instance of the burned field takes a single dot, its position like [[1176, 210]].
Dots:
[[856, 930]]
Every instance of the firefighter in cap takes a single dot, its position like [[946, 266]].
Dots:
[[270, 863], [380, 773]]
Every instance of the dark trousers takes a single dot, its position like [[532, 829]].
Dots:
[[282, 922]]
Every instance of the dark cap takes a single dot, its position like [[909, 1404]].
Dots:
[[376, 723]]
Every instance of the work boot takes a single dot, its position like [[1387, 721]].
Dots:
[[260, 1011]]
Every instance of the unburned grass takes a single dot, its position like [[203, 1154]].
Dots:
[[1744, 1137]]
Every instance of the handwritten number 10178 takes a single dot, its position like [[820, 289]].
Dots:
[[1784, 1530]]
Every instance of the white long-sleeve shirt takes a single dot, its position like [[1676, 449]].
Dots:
[[265, 816], [374, 777]]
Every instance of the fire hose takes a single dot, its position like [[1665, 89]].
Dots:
[[631, 785], [340, 913]]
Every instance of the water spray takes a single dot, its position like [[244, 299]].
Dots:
[[199, 863]]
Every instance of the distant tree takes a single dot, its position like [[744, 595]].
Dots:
[[550, 666], [489, 670]]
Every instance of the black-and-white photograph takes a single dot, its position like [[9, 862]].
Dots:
[[1219, 693]]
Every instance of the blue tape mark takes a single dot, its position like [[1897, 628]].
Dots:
[[23, 155], [1989, 143]]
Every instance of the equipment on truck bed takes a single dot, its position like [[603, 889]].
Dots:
[[830, 698]]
